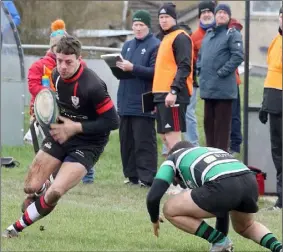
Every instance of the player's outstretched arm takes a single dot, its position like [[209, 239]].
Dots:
[[157, 190]]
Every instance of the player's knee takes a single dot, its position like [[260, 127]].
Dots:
[[32, 182], [29, 189], [52, 197], [168, 210], [241, 228]]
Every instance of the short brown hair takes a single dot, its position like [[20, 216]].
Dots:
[[69, 45], [180, 145]]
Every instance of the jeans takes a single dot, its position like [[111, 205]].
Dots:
[[236, 134], [191, 133], [89, 177]]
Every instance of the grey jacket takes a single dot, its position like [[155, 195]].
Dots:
[[220, 54]]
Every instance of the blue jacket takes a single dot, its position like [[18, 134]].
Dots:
[[220, 54], [10, 6], [142, 53]]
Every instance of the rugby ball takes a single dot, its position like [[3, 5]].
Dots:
[[46, 109]]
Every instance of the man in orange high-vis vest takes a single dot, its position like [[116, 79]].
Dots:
[[272, 105], [172, 84]]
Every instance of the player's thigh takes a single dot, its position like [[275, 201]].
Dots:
[[182, 204], [69, 175], [241, 221], [41, 168], [75, 166]]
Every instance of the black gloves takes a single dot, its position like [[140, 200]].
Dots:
[[263, 116]]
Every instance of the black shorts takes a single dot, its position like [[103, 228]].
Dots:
[[239, 193], [87, 155], [171, 119]]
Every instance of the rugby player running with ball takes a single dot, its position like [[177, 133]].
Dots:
[[87, 115]]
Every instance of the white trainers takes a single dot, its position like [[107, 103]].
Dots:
[[126, 181], [225, 246], [10, 233]]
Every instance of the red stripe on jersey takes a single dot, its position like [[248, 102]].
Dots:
[[77, 76], [29, 221], [105, 107], [76, 88], [103, 103]]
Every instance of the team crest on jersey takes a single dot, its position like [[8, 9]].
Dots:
[[75, 101]]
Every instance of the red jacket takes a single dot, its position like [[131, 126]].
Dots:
[[197, 37], [35, 73], [43, 66]]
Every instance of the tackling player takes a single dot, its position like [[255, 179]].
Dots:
[[217, 183]]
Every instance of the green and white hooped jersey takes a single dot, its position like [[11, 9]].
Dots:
[[199, 165]]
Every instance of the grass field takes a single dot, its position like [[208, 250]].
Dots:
[[105, 216]]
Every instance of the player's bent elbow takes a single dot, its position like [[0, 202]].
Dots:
[[115, 124], [150, 201]]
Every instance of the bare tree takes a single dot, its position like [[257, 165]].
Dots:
[[37, 16]]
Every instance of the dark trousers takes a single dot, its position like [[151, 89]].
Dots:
[[217, 127], [236, 133], [138, 147], [217, 123], [276, 151]]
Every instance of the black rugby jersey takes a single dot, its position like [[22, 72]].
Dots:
[[84, 98]]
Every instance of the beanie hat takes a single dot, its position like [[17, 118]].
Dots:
[[205, 6], [142, 16], [224, 7], [281, 10], [58, 29], [169, 9]]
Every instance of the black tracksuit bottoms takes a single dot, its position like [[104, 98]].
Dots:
[[138, 148]]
